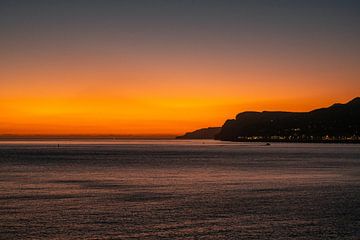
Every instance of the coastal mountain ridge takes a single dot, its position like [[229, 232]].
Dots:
[[338, 123], [203, 133]]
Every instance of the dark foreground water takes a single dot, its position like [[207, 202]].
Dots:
[[179, 190]]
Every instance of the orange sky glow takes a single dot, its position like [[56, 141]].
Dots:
[[101, 77]]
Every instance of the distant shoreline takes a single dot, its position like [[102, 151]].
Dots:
[[119, 138], [296, 141]]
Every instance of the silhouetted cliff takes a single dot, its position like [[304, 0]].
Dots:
[[204, 133], [339, 122]]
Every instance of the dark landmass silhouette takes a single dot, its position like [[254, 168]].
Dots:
[[337, 123], [203, 133]]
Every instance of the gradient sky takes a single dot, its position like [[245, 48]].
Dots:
[[167, 67]]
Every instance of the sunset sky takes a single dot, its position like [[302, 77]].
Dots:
[[168, 67]]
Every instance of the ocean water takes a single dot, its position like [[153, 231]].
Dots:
[[170, 189]]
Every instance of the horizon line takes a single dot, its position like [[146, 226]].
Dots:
[[85, 136]]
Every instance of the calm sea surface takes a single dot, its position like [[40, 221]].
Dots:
[[178, 190]]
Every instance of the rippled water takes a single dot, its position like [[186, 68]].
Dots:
[[178, 190]]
